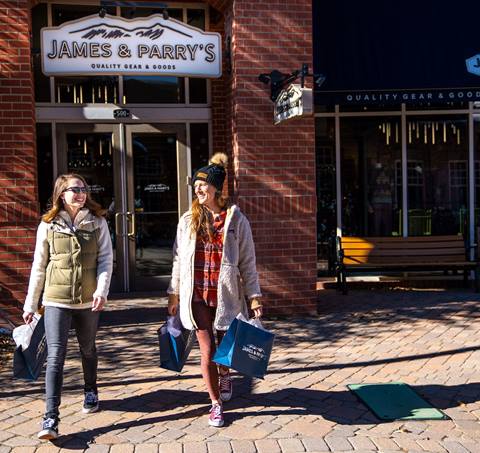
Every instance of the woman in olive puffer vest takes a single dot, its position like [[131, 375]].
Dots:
[[72, 266]]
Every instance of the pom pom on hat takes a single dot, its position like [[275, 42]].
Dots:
[[219, 159]]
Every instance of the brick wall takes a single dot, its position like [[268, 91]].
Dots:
[[274, 166], [18, 194]]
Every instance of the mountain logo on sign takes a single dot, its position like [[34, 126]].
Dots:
[[107, 31]]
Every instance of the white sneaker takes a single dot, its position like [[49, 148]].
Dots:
[[216, 416]]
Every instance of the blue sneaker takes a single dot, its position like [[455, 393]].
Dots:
[[49, 429], [90, 403]]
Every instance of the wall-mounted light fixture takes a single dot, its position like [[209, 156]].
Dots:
[[278, 80]]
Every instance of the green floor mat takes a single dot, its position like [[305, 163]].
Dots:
[[395, 401]]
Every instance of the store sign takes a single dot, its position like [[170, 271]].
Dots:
[[397, 97], [293, 102], [473, 64], [144, 46]]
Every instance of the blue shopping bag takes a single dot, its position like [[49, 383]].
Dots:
[[245, 348], [28, 363], [175, 344]]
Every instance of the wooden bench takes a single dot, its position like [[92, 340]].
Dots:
[[374, 255]]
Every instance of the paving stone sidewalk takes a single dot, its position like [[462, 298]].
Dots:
[[428, 339]]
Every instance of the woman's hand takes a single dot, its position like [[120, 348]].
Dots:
[[98, 303], [256, 307], [173, 301], [258, 312], [27, 317]]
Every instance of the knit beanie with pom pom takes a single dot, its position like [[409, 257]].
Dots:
[[214, 173]]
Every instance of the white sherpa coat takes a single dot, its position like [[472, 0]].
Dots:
[[238, 273]]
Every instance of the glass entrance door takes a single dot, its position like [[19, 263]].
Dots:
[[157, 196], [138, 173], [93, 151]]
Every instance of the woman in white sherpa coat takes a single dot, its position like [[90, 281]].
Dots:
[[71, 270], [213, 270]]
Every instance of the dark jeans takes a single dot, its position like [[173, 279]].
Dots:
[[204, 317], [57, 325]]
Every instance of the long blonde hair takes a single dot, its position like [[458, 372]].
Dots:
[[56, 202], [202, 219]]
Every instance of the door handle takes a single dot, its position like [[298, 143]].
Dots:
[[133, 232], [118, 228]]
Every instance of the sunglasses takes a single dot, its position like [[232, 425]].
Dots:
[[77, 190]]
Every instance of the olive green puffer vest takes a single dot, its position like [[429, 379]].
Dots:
[[71, 274]]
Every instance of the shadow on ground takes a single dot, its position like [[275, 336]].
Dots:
[[338, 407]]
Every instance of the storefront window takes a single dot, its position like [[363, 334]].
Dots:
[[196, 18], [44, 164], [198, 90], [66, 13], [42, 82], [133, 12], [371, 195], [437, 149], [199, 145], [153, 89], [80, 90], [476, 131], [454, 105], [326, 189]]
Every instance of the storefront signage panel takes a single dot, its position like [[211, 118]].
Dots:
[[397, 97], [293, 102], [143, 46], [370, 49]]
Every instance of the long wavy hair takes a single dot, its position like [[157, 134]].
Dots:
[[202, 219], [56, 202]]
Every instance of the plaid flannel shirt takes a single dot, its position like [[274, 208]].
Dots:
[[208, 258]]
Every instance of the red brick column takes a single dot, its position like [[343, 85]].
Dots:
[[18, 194], [274, 166]]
